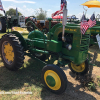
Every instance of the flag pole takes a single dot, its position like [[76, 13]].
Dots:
[[64, 21], [85, 11]]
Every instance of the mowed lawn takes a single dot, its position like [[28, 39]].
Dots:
[[14, 84]]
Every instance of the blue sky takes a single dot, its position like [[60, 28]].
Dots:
[[28, 7]]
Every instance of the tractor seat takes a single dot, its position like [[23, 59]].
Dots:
[[20, 30]]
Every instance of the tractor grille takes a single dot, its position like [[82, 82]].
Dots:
[[84, 43]]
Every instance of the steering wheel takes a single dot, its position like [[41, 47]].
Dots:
[[34, 18], [30, 26]]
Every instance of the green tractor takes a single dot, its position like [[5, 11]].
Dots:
[[11, 21], [73, 51], [95, 31], [63, 43]]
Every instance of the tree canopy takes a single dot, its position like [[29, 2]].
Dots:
[[41, 14], [11, 12]]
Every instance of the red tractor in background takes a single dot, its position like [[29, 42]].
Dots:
[[40, 24]]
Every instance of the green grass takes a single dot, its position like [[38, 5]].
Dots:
[[26, 79], [98, 81], [1, 34], [91, 86]]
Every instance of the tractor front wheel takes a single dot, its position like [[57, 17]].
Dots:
[[79, 69], [12, 53], [54, 78]]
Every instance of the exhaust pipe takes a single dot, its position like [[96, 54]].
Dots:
[[64, 22]]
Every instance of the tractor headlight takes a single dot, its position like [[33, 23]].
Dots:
[[69, 46]]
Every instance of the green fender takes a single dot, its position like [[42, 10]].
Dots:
[[36, 34], [57, 32], [68, 29], [52, 30], [54, 27], [21, 38]]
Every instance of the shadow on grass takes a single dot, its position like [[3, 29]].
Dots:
[[14, 80], [82, 85], [31, 74], [94, 48], [97, 63]]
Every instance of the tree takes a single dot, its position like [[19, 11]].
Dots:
[[11, 12], [41, 14], [1, 15]]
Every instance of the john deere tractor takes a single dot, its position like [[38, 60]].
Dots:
[[73, 51], [95, 32], [63, 43]]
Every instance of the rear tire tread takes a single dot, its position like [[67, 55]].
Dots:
[[18, 51]]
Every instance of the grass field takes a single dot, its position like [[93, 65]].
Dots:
[[14, 85], [27, 79]]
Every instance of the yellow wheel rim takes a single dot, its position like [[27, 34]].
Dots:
[[55, 76], [79, 68], [7, 52]]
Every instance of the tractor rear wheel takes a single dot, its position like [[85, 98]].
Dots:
[[30, 26], [12, 53], [2, 25], [79, 69], [54, 78]]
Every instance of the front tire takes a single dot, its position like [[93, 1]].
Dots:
[[79, 69], [54, 78], [12, 53]]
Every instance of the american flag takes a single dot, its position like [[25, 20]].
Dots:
[[92, 21], [84, 25], [57, 13], [63, 2], [1, 7]]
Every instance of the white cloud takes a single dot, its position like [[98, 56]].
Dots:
[[96, 13], [49, 10], [24, 6], [15, 1], [88, 16], [24, 11], [8, 0], [79, 15], [68, 2]]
